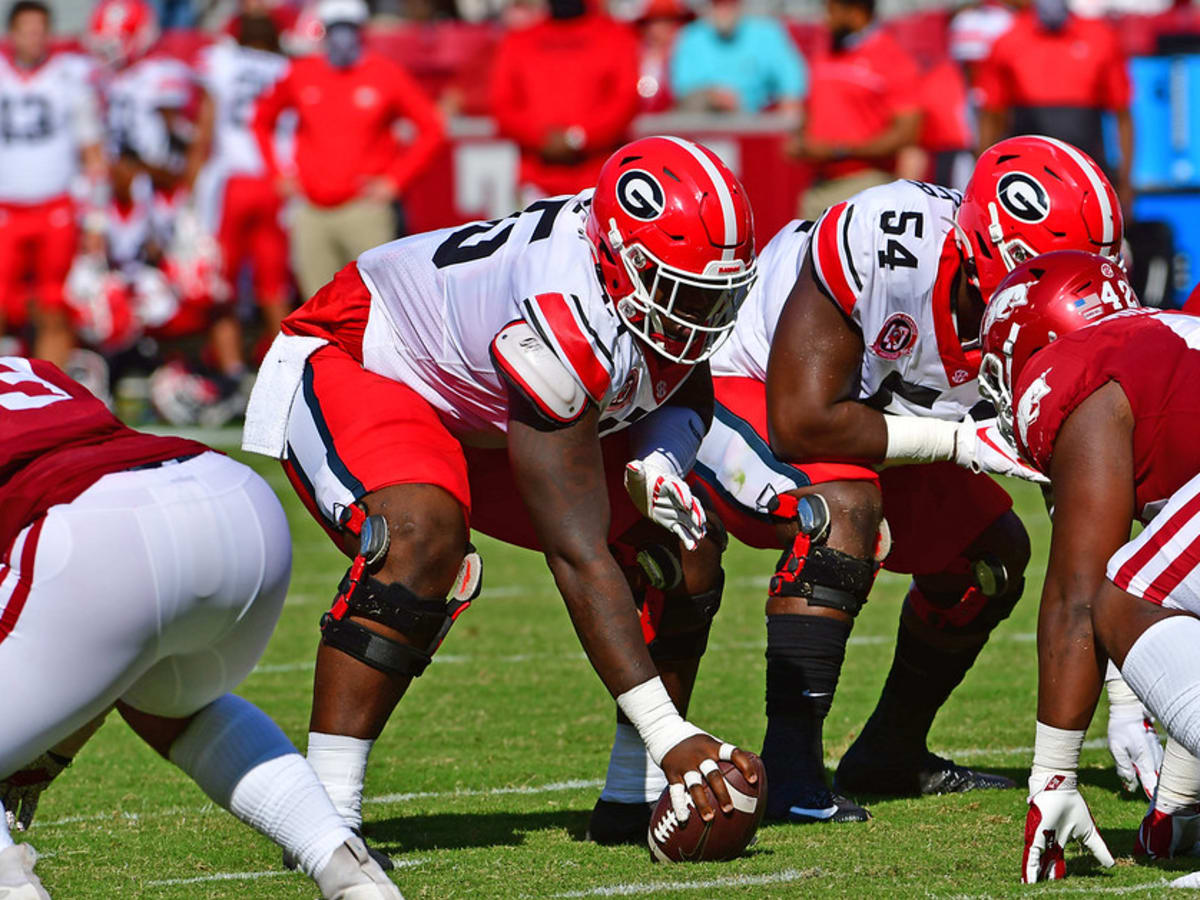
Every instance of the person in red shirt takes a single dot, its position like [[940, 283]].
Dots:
[[1054, 73], [565, 90], [863, 108], [350, 166]]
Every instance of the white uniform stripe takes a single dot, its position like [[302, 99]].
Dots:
[[1093, 177], [722, 191]]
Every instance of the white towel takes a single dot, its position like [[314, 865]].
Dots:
[[274, 390]]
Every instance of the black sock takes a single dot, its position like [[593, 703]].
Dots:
[[804, 660]]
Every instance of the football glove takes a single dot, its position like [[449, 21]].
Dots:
[[665, 499], [1165, 835], [1135, 746], [1057, 814], [20, 792], [980, 447]]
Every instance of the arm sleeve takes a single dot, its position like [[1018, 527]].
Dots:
[[411, 103], [266, 112], [509, 103], [607, 121], [673, 433]]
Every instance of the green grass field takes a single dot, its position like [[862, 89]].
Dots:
[[482, 784]]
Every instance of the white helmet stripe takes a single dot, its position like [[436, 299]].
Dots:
[[1106, 210], [722, 192]]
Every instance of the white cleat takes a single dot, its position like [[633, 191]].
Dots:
[[17, 881], [352, 874], [1187, 881]]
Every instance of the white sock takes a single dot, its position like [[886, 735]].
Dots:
[[6, 840], [341, 764], [632, 775], [1163, 668], [241, 759], [1178, 780]]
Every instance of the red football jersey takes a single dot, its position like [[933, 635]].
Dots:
[[1155, 357], [56, 440]]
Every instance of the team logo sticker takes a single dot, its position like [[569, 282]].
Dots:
[[1023, 197], [626, 394], [1029, 407], [640, 195], [897, 337]]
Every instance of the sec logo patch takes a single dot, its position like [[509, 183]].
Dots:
[[896, 338]]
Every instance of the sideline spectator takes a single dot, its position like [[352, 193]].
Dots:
[[726, 61], [350, 166], [863, 108], [565, 90], [658, 25], [51, 124], [975, 29], [1056, 74]]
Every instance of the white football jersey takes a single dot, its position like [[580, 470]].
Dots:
[[439, 299], [47, 115], [886, 257], [135, 97], [234, 77]]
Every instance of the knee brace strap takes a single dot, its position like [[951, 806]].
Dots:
[[376, 650], [823, 576], [683, 629]]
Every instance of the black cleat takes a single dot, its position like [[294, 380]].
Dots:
[[934, 775], [619, 823], [818, 804]]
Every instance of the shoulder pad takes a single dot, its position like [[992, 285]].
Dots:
[[525, 361]]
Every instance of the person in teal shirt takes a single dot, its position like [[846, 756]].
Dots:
[[728, 62]]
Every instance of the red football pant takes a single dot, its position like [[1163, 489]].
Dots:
[[37, 245], [250, 232]]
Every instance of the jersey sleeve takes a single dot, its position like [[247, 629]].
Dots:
[[563, 324], [841, 254]]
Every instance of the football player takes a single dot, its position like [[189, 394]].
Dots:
[[50, 132], [146, 573], [543, 379], [1100, 396], [856, 354]]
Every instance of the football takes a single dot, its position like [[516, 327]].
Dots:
[[725, 837]]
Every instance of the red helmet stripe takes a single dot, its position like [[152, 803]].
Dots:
[[1089, 171], [828, 261], [571, 343], [721, 189]]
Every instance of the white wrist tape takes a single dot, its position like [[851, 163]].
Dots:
[[1121, 695], [920, 440], [648, 706], [1056, 749], [671, 435]]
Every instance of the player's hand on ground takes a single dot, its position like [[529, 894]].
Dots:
[[665, 499], [1135, 747], [694, 761], [981, 447], [22, 789], [1057, 814]]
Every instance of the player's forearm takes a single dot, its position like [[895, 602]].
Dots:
[[1070, 666], [845, 431], [902, 132]]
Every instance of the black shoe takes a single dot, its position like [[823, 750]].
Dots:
[[862, 773], [619, 823], [816, 805]]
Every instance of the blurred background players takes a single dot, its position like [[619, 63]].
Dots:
[[863, 108], [351, 169], [565, 90], [50, 130]]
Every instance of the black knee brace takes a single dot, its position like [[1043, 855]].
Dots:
[[393, 605], [682, 632], [821, 575]]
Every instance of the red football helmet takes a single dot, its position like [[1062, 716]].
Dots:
[[673, 236], [1030, 195], [120, 31], [1038, 302]]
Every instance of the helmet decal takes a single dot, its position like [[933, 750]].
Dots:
[[640, 195], [1023, 197]]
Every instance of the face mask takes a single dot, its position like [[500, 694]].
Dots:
[[1051, 14], [343, 44]]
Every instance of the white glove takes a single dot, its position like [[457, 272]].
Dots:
[[980, 447], [1057, 814], [1134, 745], [20, 792], [665, 499], [16, 873]]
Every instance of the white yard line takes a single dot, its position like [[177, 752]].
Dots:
[[525, 789], [250, 876], [629, 889]]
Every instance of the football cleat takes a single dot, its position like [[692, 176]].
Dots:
[[619, 823], [817, 804], [856, 774], [1164, 835], [17, 881], [353, 874], [385, 862]]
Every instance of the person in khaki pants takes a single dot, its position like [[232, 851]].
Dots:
[[350, 168]]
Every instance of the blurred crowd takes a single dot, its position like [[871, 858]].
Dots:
[[168, 192]]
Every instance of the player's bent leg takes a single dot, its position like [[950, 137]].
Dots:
[[944, 623], [680, 617], [822, 582]]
